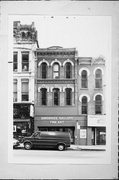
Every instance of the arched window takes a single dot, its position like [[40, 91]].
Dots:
[[98, 78], [44, 70], [84, 105], [56, 70], [43, 96], [98, 104], [68, 96], [56, 96], [68, 67], [84, 81]]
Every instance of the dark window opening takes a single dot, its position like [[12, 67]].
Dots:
[[44, 70], [15, 61], [68, 96], [25, 61], [68, 70], [56, 96], [44, 96], [21, 111], [84, 105]]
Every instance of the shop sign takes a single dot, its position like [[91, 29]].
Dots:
[[82, 133], [97, 120], [56, 122], [57, 118]]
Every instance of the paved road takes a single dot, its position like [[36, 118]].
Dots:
[[70, 156]]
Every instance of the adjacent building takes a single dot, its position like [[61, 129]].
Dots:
[[25, 43]]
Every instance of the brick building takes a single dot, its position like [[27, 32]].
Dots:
[[69, 95], [25, 43]]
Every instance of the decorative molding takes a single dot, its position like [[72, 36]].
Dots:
[[82, 95], [55, 61], [68, 60], [96, 69], [43, 61], [98, 94], [86, 69]]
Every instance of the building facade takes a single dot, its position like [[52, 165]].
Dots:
[[25, 43], [69, 95]]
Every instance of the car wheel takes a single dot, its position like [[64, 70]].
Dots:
[[27, 145], [61, 147]]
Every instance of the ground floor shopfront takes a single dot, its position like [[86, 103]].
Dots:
[[80, 133]]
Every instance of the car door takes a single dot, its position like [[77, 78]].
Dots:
[[36, 139]]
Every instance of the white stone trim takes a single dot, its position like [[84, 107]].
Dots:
[[68, 60], [43, 86], [55, 61], [43, 62], [82, 95], [98, 94], [60, 88], [86, 69], [96, 69], [68, 86]]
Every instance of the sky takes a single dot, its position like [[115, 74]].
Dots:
[[90, 35]]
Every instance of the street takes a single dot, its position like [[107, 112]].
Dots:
[[71, 156]]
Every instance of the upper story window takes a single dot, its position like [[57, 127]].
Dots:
[[15, 90], [56, 96], [68, 96], [98, 104], [84, 81], [25, 90], [43, 96], [98, 78], [44, 70], [15, 61], [23, 35], [68, 70], [56, 70], [84, 105], [25, 61]]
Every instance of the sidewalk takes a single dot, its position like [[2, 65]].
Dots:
[[89, 148]]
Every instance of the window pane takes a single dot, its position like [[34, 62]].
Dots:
[[98, 104], [84, 105], [24, 86], [68, 70], [56, 96], [56, 67], [44, 70], [25, 61], [15, 61], [98, 79], [44, 96], [84, 82], [68, 96]]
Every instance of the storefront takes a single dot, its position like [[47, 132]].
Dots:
[[61, 123], [97, 124]]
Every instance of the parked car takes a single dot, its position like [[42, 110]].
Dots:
[[47, 139], [16, 143]]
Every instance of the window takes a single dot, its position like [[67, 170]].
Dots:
[[68, 70], [98, 78], [84, 105], [23, 35], [25, 90], [43, 96], [84, 82], [56, 70], [98, 104], [15, 61], [68, 96], [44, 70], [25, 61], [56, 96], [15, 90]]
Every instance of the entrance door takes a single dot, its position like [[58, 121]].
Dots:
[[99, 136]]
